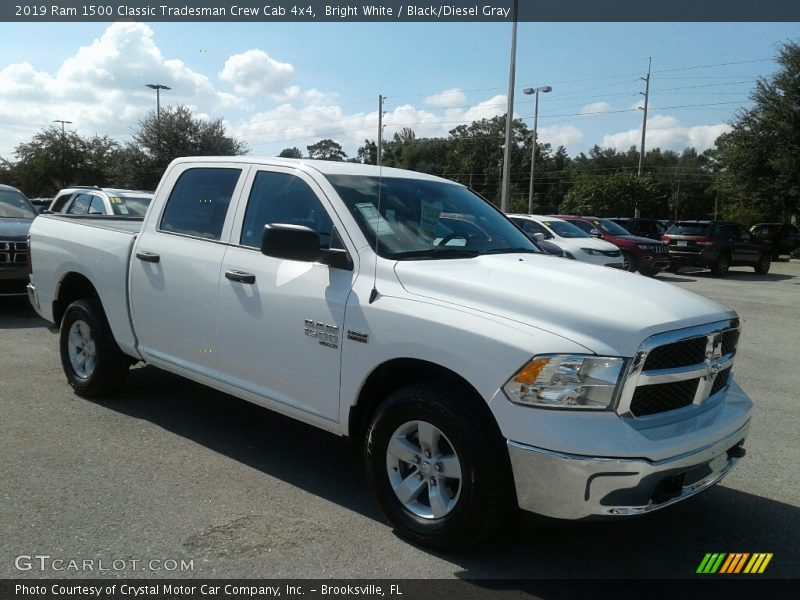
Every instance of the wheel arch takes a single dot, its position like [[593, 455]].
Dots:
[[400, 372], [73, 286]]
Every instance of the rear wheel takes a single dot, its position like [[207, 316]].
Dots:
[[722, 266], [92, 361], [763, 265], [439, 474]]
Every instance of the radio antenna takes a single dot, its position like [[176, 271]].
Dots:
[[374, 293]]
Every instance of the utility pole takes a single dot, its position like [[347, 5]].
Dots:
[[380, 126], [63, 123], [506, 182], [644, 126]]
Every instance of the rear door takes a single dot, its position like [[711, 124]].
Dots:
[[175, 269], [280, 321]]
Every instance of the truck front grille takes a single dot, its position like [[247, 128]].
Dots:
[[679, 368], [12, 252]]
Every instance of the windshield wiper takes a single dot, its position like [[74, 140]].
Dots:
[[436, 253], [519, 250]]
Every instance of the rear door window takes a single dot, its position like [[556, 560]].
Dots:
[[199, 202], [80, 204]]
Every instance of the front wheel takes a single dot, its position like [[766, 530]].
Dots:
[[628, 261], [763, 264], [92, 361], [438, 471]]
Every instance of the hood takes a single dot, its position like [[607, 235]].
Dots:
[[608, 311], [14, 228]]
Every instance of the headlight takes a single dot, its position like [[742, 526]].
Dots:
[[566, 381], [591, 251]]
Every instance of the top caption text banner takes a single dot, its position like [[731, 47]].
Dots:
[[399, 10]]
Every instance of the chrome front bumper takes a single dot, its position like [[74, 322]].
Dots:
[[569, 486]]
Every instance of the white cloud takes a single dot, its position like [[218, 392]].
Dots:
[[101, 88], [596, 107], [666, 132], [568, 136], [447, 99], [254, 72]]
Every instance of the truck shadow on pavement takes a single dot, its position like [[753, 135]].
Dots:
[[688, 276], [665, 544], [307, 457]]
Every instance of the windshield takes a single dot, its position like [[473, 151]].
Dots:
[[132, 206], [609, 227], [566, 230], [422, 219], [13, 205]]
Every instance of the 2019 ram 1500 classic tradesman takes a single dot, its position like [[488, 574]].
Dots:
[[475, 371]]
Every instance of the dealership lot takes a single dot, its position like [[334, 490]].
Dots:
[[171, 471]]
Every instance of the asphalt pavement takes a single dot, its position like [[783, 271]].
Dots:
[[171, 471]]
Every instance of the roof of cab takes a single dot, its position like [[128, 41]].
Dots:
[[326, 167]]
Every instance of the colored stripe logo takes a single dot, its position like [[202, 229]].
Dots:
[[734, 563]]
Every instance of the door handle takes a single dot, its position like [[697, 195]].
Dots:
[[240, 276], [151, 257]]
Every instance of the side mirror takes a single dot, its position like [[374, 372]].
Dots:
[[595, 233], [539, 237], [296, 242]]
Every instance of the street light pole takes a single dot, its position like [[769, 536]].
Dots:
[[544, 89], [63, 130], [505, 183], [158, 87]]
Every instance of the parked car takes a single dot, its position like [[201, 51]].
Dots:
[[101, 201], [715, 245], [460, 230], [573, 241], [638, 253], [41, 204], [783, 238], [474, 377], [649, 228], [16, 216]]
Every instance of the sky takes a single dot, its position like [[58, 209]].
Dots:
[[279, 85]]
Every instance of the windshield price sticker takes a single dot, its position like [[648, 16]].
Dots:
[[376, 222]]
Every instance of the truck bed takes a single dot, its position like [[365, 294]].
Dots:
[[95, 247]]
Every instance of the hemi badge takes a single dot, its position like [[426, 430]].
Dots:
[[357, 336]]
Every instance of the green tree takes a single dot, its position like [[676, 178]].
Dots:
[[368, 153], [291, 153], [159, 141], [326, 149], [610, 195], [760, 156], [53, 160]]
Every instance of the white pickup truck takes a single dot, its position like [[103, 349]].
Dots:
[[404, 311]]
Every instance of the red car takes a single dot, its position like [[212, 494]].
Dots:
[[638, 253]]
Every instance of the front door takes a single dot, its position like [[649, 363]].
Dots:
[[280, 321]]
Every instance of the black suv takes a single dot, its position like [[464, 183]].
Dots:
[[649, 228], [716, 245], [783, 238]]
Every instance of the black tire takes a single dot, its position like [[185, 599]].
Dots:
[[628, 261], [109, 366], [763, 264], [649, 272], [479, 501], [722, 265]]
